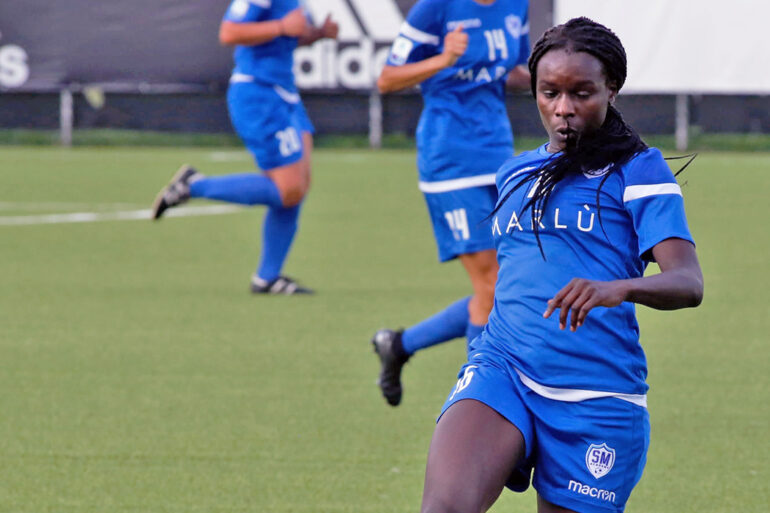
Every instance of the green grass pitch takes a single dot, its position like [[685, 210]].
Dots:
[[139, 375]]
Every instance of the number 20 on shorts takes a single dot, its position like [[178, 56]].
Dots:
[[288, 141]]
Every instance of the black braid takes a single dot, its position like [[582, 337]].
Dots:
[[611, 146]]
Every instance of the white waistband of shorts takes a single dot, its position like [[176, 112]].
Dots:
[[457, 184], [285, 95], [572, 395]]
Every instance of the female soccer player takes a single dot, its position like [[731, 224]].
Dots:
[[556, 381], [266, 111], [462, 53]]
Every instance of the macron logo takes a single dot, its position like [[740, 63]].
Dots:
[[584, 489]]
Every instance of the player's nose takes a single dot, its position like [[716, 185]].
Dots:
[[564, 106]]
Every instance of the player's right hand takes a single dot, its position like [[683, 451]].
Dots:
[[294, 24], [580, 296], [455, 44], [330, 29]]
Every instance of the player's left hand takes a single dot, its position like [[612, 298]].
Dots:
[[330, 28], [580, 296]]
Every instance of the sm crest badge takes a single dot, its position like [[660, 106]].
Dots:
[[600, 459]]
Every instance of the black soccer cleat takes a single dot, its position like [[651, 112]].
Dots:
[[283, 285], [387, 345], [176, 192]]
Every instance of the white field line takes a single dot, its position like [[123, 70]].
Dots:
[[127, 215], [29, 205]]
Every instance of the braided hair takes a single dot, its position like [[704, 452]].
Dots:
[[611, 145]]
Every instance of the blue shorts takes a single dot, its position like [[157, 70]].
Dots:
[[587, 456], [270, 121], [460, 222]]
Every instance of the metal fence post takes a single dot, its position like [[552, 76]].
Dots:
[[66, 116], [375, 119], [682, 135]]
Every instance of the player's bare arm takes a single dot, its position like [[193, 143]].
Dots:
[[518, 79], [396, 78], [294, 24], [678, 285]]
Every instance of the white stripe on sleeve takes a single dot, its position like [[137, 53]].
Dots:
[[418, 35], [633, 192], [517, 173]]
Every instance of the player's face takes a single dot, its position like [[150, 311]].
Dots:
[[572, 96]]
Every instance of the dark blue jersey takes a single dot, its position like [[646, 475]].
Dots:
[[641, 205]]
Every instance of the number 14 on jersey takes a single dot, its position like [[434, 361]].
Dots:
[[496, 41]]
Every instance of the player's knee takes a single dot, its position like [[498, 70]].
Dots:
[[293, 183], [292, 194], [479, 308]]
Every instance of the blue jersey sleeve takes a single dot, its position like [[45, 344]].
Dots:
[[244, 11], [654, 200], [516, 166], [421, 34]]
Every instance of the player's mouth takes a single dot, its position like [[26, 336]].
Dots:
[[566, 132], [566, 136]]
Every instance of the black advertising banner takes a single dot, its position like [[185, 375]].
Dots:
[[140, 44], [45, 44]]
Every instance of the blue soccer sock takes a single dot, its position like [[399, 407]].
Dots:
[[473, 331], [278, 231], [242, 188], [450, 323]]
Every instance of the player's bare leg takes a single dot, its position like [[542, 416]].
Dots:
[[293, 180], [482, 271], [466, 473], [543, 506], [293, 183]]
